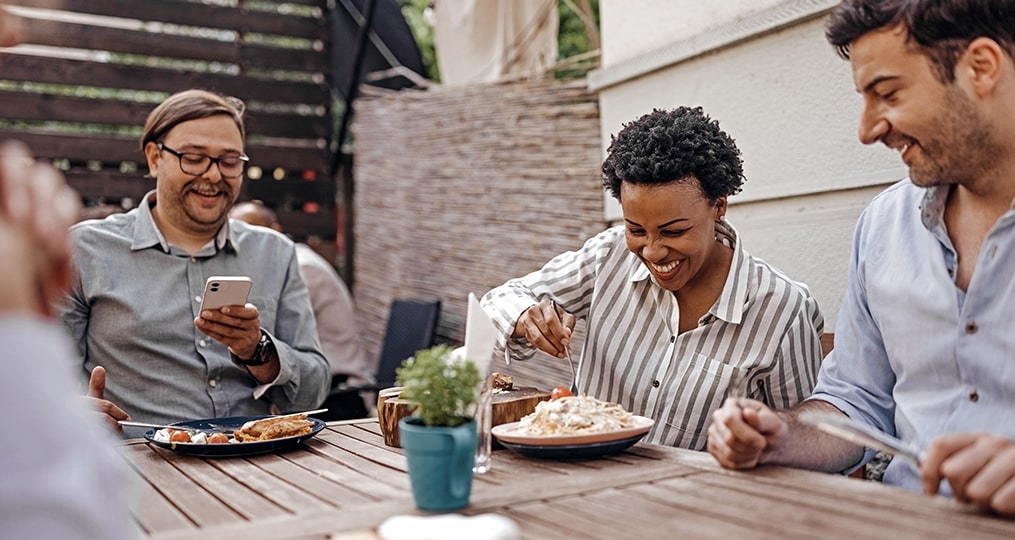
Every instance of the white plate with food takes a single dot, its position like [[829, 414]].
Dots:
[[573, 420], [569, 452], [247, 443]]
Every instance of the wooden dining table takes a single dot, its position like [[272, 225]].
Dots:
[[344, 482]]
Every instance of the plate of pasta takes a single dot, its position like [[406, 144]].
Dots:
[[573, 420]]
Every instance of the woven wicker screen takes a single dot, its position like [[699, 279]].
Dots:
[[460, 189]]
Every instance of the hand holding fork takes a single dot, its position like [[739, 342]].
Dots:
[[567, 349]]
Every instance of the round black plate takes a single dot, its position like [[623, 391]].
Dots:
[[231, 449], [573, 451]]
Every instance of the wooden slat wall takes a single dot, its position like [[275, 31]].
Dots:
[[486, 182], [79, 87]]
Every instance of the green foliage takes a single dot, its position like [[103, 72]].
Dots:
[[443, 388], [571, 37], [414, 12]]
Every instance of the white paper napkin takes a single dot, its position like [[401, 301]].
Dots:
[[480, 336], [449, 527]]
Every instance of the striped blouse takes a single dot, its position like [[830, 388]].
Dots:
[[764, 326]]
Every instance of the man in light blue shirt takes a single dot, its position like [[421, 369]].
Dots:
[[924, 348], [134, 310]]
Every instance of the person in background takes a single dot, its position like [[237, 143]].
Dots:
[[336, 320], [923, 345], [134, 308], [678, 313]]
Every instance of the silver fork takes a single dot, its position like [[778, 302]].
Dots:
[[574, 374], [570, 362]]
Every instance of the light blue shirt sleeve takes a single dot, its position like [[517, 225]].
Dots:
[[916, 356]]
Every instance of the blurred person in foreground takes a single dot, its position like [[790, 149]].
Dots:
[[335, 314], [134, 307], [923, 345], [61, 476], [675, 307]]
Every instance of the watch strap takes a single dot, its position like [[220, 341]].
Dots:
[[262, 353]]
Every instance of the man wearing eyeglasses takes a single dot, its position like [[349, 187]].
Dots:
[[151, 354]]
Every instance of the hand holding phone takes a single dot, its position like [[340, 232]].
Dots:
[[222, 291]]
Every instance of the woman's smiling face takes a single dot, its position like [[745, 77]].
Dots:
[[671, 228]]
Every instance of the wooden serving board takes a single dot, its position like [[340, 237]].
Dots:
[[508, 406]]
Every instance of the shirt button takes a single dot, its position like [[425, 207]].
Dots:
[[673, 339], [197, 299], [213, 383], [971, 328], [203, 343], [655, 384], [974, 396]]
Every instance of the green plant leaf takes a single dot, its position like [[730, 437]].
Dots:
[[443, 388]]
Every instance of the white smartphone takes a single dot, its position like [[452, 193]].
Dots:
[[225, 291]]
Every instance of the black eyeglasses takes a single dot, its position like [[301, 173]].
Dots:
[[198, 164]]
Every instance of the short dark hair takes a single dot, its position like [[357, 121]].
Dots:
[[942, 28], [190, 105], [668, 146]]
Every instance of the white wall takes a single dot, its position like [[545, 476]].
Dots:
[[634, 27], [763, 69]]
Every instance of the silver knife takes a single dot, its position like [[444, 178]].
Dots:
[[841, 426]]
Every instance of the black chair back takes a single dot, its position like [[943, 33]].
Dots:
[[412, 326]]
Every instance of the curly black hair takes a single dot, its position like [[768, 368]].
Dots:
[[671, 146]]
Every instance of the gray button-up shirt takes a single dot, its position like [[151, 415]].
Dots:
[[132, 310]]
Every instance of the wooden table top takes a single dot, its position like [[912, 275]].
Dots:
[[344, 482]]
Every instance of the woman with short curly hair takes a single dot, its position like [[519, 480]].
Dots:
[[677, 313]]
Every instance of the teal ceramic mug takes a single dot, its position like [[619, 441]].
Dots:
[[440, 463]]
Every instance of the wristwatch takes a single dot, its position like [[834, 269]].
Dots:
[[263, 353]]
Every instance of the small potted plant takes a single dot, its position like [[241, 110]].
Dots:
[[440, 439]]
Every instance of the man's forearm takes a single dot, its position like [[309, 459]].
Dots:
[[806, 447]]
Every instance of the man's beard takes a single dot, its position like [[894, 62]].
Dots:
[[962, 149]]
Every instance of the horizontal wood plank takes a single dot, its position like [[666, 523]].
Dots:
[[108, 185], [193, 14], [58, 108], [115, 149], [139, 42], [30, 68]]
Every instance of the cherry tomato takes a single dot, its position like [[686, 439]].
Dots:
[[218, 438], [179, 436], [559, 392]]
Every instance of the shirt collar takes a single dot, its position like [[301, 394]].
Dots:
[[147, 233], [732, 300], [731, 303], [932, 209]]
